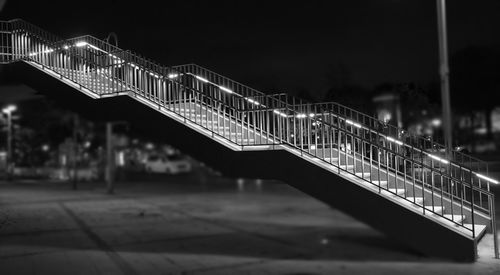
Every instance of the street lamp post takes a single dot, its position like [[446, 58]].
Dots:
[[8, 111], [444, 73], [110, 156], [110, 160]]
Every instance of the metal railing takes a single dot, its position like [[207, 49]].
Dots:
[[348, 141]]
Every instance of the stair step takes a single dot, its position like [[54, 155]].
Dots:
[[399, 191], [331, 159], [478, 228], [417, 200], [210, 122], [188, 110], [437, 209], [381, 182], [364, 175], [347, 167], [455, 218]]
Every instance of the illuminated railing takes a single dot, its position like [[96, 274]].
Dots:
[[330, 134]]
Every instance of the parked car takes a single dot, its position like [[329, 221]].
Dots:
[[167, 164]]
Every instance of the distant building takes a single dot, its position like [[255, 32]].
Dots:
[[388, 108]]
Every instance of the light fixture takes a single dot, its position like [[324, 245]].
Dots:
[[353, 123], [81, 44], [486, 178], [225, 89], [279, 113], [154, 75], [202, 79], [438, 159], [394, 140]]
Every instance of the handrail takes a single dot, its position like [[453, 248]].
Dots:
[[154, 67], [224, 99], [456, 156]]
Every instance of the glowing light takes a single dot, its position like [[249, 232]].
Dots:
[[94, 47], [486, 178], [202, 79], [438, 159], [279, 113], [225, 89], [313, 147], [252, 101], [45, 147], [9, 109], [353, 123], [311, 115], [436, 122], [154, 75], [66, 47], [301, 116], [81, 44], [47, 51], [171, 76], [394, 140], [121, 158]]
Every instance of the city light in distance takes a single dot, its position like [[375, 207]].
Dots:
[[9, 109]]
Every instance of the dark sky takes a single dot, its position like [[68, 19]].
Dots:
[[279, 46]]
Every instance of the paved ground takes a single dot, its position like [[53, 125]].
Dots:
[[182, 227]]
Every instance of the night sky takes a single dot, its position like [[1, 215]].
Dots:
[[279, 46]]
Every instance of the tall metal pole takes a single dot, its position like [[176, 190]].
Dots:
[[9, 145], [110, 161], [74, 148], [444, 73]]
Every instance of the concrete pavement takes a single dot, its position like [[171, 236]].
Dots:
[[183, 227]]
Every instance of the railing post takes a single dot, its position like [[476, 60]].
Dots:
[[472, 209], [494, 227]]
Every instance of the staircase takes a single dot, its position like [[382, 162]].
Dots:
[[399, 183]]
